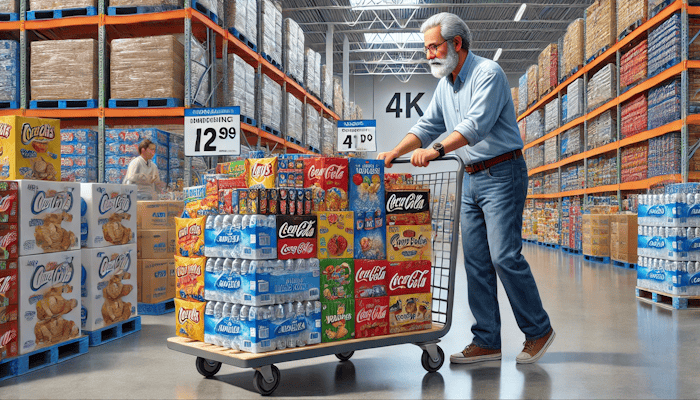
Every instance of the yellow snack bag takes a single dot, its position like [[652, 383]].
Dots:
[[190, 319], [261, 172], [189, 278], [190, 236]]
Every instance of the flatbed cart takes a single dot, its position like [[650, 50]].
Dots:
[[445, 192]]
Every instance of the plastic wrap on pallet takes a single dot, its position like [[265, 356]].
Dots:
[[571, 142], [271, 102], [634, 116], [338, 96], [694, 46], [535, 125], [548, 63], [602, 170], [572, 56], [64, 69], [664, 155], [629, 12], [312, 74], [514, 96], [564, 116], [9, 70], [9, 6], [199, 83], [633, 162], [602, 86], [522, 126], [551, 115], [241, 85], [293, 48], [572, 177], [326, 86], [550, 150], [242, 15], [655, 6], [534, 156], [271, 29], [694, 137], [312, 136], [602, 129], [59, 4], [574, 99], [147, 67], [551, 182], [532, 84], [294, 126], [148, 3], [600, 27], [329, 135], [664, 45], [522, 94], [664, 104], [633, 65]]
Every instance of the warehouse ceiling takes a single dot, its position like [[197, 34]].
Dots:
[[385, 39]]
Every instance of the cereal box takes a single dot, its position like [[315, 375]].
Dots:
[[9, 335], [336, 234], [328, 180], [9, 238], [337, 279], [261, 173], [9, 199], [111, 213], [370, 242], [409, 277], [408, 207], [30, 148], [190, 236], [296, 237], [337, 320], [108, 289], [189, 319], [366, 185], [49, 217], [371, 278], [371, 317], [189, 278], [409, 242], [8, 287], [410, 312], [49, 299]]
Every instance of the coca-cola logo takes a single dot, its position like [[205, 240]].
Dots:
[[303, 248], [188, 314], [409, 202], [377, 273], [305, 229], [7, 337], [416, 280], [331, 172], [8, 239], [6, 282], [261, 170], [184, 270], [372, 314], [6, 202]]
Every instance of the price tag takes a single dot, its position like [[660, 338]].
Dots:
[[357, 135], [213, 131]]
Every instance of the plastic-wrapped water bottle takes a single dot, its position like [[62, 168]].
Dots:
[[226, 339], [218, 314], [209, 223], [209, 292], [300, 311], [290, 313], [237, 221], [208, 316], [218, 272], [235, 340], [278, 318]]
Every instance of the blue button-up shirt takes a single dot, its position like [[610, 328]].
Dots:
[[479, 106]]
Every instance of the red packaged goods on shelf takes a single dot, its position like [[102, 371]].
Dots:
[[8, 287], [371, 278], [371, 317], [8, 241], [8, 201], [296, 237], [9, 338], [573, 48], [532, 82], [633, 165], [328, 179], [600, 27], [633, 65], [408, 277], [547, 69], [634, 116], [630, 14]]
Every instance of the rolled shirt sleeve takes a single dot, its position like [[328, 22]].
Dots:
[[488, 99]]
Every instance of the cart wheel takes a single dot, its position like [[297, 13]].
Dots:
[[429, 364], [265, 388], [345, 356], [207, 368]]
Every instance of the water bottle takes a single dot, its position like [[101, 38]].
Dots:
[[218, 314], [278, 312], [290, 313], [244, 341], [237, 221], [209, 316], [209, 223], [218, 272], [300, 311], [226, 337], [209, 292], [309, 336], [236, 318]]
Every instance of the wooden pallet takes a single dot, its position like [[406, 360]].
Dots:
[[113, 332], [596, 259], [630, 29], [623, 264], [42, 358], [668, 301]]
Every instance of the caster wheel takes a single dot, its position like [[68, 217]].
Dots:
[[345, 356], [263, 387], [429, 364], [207, 368]]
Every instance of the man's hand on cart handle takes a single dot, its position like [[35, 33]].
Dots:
[[388, 157], [423, 157]]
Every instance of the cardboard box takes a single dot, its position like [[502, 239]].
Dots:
[[155, 244], [337, 320], [296, 237], [336, 234], [623, 238], [64, 69], [600, 26], [410, 312], [371, 317], [31, 148], [371, 278], [629, 12], [111, 213], [172, 240], [49, 217], [49, 299], [409, 277], [337, 278], [154, 280], [409, 242], [9, 200], [109, 294], [175, 209], [9, 239], [9, 287], [9, 338], [573, 48], [139, 279], [153, 215]]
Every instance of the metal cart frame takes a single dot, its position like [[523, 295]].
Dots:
[[445, 221]]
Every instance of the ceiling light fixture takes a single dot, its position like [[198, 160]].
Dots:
[[498, 54], [520, 12]]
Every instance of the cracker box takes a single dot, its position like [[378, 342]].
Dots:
[[9, 200], [371, 278], [371, 317], [328, 180], [49, 217], [409, 242], [407, 207], [153, 280], [49, 299], [189, 278], [337, 278], [189, 319], [366, 185], [30, 148], [8, 288], [296, 237], [336, 234], [409, 277], [111, 213], [410, 312], [108, 290], [9, 239], [9, 336], [337, 320], [370, 242]]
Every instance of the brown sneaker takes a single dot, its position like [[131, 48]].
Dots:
[[474, 354], [535, 349]]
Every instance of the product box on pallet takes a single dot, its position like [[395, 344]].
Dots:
[[9, 338], [574, 99], [623, 238], [522, 94], [371, 278], [548, 62], [596, 235], [153, 280], [9, 200], [336, 234], [337, 319], [532, 84], [633, 65], [31, 148], [573, 50], [64, 69], [108, 291], [49, 299], [371, 317], [111, 213], [600, 27], [410, 312], [296, 236], [155, 244], [630, 14]]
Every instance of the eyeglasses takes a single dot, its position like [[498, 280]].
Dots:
[[433, 48]]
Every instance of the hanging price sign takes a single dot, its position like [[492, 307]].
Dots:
[[357, 135], [213, 131]]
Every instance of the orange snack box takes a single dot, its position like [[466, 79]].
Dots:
[[409, 242]]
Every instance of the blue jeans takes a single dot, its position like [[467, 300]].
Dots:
[[491, 219]]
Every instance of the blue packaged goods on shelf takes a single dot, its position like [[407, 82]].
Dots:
[[115, 174], [78, 136], [252, 237], [78, 161], [571, 142], [664, 155], [9, 70], [664, 104], [664, 45], [564, 110], [79, 149], [137, 135]]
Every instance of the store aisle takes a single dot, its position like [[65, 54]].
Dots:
[[608, 345]]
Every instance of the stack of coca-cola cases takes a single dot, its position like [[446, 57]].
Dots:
[[370, 284], [8, 269]]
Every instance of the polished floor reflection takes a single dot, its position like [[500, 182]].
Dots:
[[608, 345]]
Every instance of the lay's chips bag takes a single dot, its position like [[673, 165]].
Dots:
[[189, 278], [190, 236], [261, 172], [190, 319]]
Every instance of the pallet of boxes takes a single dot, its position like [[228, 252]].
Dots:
[[40, 259], [596, 235], [155, 248]]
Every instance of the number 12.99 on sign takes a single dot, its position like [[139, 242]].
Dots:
[[212, 131]]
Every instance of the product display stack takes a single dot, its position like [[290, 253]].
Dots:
[[633, 66], [572, 57], [9, 284], [602, 86], [9, 68], [79, 155], [600, 27], [548, 62], [122, 146], [595, 235]]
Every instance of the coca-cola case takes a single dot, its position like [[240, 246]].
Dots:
[[328, 179], [8, 287], [410, 312], [9, 340], [371, 278], [371, 317], [8, 201], [407, 277], [296, 237], [408, 207]]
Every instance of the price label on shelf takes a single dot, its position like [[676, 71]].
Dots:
[[357, 135], [213, 131]]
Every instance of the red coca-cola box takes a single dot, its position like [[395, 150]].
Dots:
[[9, 239], [328, 179], [8, 287], [9, 338], [296, 236], [371, 278], [9, 313], [371, 317], [409, 277], [8, 201]]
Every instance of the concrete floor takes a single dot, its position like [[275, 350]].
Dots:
[[608, 345]]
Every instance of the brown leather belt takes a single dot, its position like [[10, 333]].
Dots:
[[482, 165]]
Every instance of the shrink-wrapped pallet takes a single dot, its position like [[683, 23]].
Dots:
[[602, 129], [664, 104], [522, 94], [532, 93], [665, 45], [312, 74], [147, 67], [36, 5], [514, 96], [9, 70], [522, 127], [271, 103], [535, 125], [656, 6], [9, 6], [338, 96], [328, 137], [634, 116], [64, 69], [547, 63], [602, 86], [271, 30], [574, 99], [629, 12], [294, 125], [534, 156], [241, 85], [551, 115], [199, 78], [242, 16], [600, 27], [573, 48], [293, 57], [326, 86], [312, 125], [166, 4], [550, 150], [633, 66], [571, 142]]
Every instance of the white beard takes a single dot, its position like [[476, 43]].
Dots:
[[441, 67]]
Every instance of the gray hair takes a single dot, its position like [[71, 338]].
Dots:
[[451, 26]]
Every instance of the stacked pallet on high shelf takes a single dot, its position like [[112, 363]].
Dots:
[[9, 72], [79, 155], [293, 50], [572, 57], [600, 28], [548, 62]]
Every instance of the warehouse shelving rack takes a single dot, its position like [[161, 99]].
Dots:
[[103, 28]]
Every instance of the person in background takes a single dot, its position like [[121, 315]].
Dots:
[[472, 101], [143, 172]]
